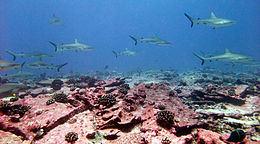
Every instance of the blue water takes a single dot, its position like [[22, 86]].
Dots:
[[106, 24]]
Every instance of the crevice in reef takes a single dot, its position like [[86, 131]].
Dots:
[[60, 121], [13, 130]]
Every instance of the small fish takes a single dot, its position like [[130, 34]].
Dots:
[[36, 54], [42, 65], [237, 136], [106, 67], [73, 46], [226, 57], [154, 40], [213, 21], [125, 52], [55, 20]]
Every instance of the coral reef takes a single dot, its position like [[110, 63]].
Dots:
[[56, 84], [124, 88], [165, 118], [202, 106], [60, 97], [166, 140], [107, 100], [71, 137], [10, 109], [50, 101]]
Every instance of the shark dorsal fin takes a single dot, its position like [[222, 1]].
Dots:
[[227, 50], [76, 41], [213, 16]]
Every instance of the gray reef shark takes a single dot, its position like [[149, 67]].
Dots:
[[42, 65], [19, 75], [55, 20], [73, 46], [5, 65], [213, 21], [226, 57], [125, 52], [8, 88], [154, 40], [36, 54]]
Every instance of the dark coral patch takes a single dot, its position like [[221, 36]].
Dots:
[[108, 100], [165, 118], [56, 84], [71, 137]]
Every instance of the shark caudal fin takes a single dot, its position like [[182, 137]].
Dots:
[[116, 54], [190, 18], [13, 54], [201, 58], [55, 45], [135, 39], [58, 67], [21, 67]]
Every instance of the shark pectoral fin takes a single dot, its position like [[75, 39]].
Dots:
[[55, 45], [60, 66], [201, 58], [116, 55], [190, 18], [135, 39]]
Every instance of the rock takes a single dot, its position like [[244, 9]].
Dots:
[[7, 137], [208, 137], [216, 95]]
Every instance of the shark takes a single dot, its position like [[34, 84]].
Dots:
[[125, 52], [6, 65], [19, 75], [213, 21], [42, 65], [36, 54], [73, 46], [226, 57], [154, 40], [8, 88], [55, 20]]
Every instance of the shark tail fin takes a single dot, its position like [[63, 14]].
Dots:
[[55, 45], [60, 66], [190, 18], [201, 58], [135, 39], [22, 64], [116, 54], [21, 67], [13, 54]]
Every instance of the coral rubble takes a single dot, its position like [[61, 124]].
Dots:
[[204, 106]]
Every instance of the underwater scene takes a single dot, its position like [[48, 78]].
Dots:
[[129, 72]]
